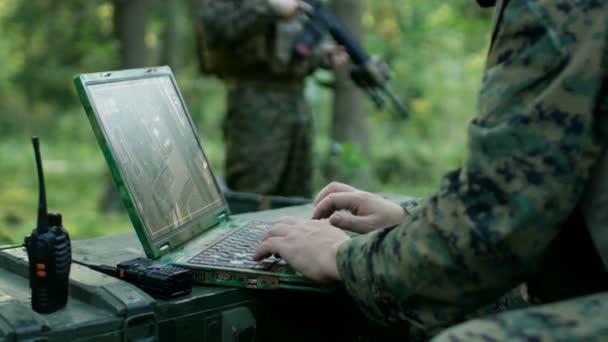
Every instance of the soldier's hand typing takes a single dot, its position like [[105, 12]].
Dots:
[[309, 246], [364, 211]]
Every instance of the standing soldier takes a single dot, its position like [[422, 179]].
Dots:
[[268, 128]]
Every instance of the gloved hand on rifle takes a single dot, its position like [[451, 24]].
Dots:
[[375, 73], [334, 57]]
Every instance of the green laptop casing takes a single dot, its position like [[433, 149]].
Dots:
[[153, 249], [185, 242]]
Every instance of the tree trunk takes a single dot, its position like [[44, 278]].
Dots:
[[349, 119], [171, 52], [130, 30]]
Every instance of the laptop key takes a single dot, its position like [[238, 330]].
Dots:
[[236, 249]]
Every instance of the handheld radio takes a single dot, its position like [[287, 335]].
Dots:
[[159, 280], [49, 253]]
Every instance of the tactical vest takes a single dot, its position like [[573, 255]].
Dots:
[[250, 53], [576, 261], [265, 55]]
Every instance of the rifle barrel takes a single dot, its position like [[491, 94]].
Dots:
[[358, 56], [343, 37], [403, 111]]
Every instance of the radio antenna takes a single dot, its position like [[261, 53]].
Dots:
[[43, 224]]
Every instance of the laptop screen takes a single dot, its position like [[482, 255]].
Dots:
[[155, 147]]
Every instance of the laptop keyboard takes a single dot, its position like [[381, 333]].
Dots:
[[236, 249]]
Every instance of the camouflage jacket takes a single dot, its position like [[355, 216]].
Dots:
[[540, 126], [258, 41]]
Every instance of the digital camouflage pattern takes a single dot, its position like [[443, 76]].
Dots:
[[268, 134], [581, 319], [257, 41], [268, 127], [229, 22], [540, 127]]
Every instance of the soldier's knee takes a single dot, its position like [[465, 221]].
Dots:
[[475, 330]]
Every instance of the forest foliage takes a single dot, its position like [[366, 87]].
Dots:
[[435, 49]]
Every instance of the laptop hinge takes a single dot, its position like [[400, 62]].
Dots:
[[222, 217], [164, 249]]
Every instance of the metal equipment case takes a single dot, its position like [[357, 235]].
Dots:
[[102, 308]]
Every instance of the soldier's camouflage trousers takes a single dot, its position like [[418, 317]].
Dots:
[[268, 136]]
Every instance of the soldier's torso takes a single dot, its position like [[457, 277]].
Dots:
[[576, 262], [266, 55]]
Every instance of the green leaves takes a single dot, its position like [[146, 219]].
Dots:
[[435, 49]]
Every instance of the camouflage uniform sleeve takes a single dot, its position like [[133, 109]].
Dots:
[[529, 152], [226, 23], [410, 205]]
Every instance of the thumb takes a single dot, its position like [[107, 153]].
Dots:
[[348, 221]]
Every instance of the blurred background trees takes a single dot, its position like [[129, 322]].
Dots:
[[435, 49]]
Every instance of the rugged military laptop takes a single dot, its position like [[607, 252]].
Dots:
[[158, 163]]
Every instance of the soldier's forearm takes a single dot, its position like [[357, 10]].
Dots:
[[530, 149]]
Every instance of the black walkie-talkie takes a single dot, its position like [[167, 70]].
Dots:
[[162, 281], [49, 253]]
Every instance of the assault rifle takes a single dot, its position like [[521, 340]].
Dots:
[[370, 74]]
